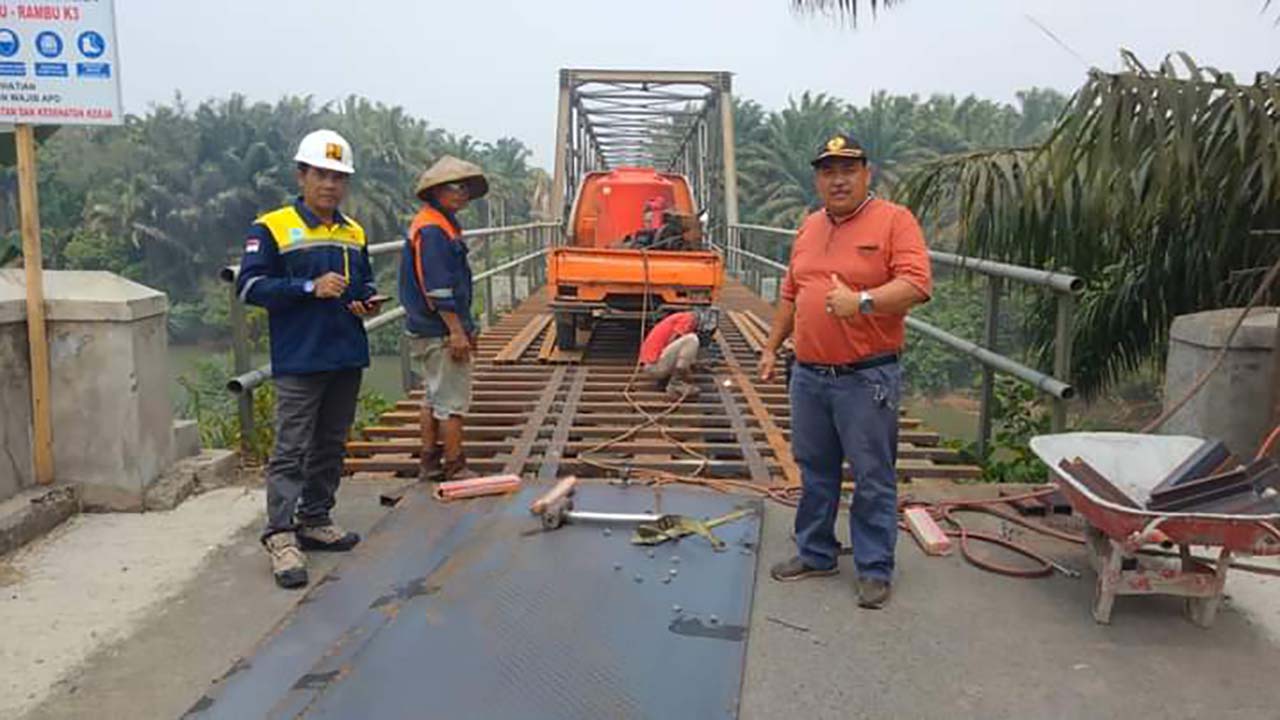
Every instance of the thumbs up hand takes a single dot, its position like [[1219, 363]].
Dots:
[[842, 301]]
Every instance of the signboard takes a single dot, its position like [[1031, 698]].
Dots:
[[58, 63]]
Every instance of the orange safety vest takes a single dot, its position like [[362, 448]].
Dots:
[[428, 216]]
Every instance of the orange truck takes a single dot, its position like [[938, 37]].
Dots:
[[634, 244]]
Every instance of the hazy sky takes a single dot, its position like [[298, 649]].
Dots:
[[489, 67]]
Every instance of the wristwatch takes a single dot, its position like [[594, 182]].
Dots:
[[309, 287], [865, 303]]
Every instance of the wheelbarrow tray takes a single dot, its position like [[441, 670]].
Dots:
[[1137, 463]]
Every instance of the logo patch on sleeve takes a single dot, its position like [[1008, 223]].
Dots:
[[252, 245]]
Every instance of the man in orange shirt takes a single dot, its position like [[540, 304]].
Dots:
[[857, 266]]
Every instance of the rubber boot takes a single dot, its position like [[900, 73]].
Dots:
[[430, 468], [456, 469]]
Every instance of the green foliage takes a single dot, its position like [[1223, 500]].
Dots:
[[899, 132], [930, 368], [370, 407], [1021, 414], [1151, 186], [166, 198], [216, 411]]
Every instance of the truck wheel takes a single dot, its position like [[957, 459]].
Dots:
[[566, 332]]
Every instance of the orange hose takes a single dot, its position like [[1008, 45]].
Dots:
[[1267, 444]]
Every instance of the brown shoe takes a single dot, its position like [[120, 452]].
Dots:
[[796, 569], [329, 538], [429, 467], [873, 593], [456, 469], [288, 563]]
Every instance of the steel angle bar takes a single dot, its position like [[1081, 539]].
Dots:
[[755, 463], [533, 425], [560, 436], [642, 112], [649, 78]]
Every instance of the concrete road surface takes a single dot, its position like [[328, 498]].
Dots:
[[954, 642]]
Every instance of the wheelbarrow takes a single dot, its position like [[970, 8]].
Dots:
[[1120, 539]]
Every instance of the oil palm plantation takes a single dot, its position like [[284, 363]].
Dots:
[[1161, 186]]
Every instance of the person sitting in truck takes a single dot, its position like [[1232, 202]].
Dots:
[[654, 209], [670, 350]]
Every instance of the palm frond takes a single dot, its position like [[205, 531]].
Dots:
[[842, 8], [1148, 187]]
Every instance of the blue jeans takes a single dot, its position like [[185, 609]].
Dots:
[[850, 417]]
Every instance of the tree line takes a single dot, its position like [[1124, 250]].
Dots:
[[165, 198]]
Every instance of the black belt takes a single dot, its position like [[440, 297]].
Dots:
[[849, 368]]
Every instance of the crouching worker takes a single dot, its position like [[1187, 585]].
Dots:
[[435, 291], [670, 350]]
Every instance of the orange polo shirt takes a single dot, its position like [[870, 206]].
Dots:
[[882, 242]]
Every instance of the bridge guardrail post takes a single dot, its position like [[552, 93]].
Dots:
[[990, 338], [1062, 355], [240, 361], [402, 347], [511, 274], [489, 315]]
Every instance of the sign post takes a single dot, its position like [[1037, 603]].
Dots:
[[58, 66]]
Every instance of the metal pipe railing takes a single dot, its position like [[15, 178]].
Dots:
[[1056, 281], [1061, 283], [1043, 382], [244, 383], [1065, 287]]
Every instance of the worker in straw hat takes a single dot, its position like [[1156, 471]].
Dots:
[[436, 291]]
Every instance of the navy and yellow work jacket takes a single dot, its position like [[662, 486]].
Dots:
[[285, 251], [435, 275]]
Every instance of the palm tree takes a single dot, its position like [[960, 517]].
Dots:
[[850, 8], [775, 171], [1151, 186], [842, 8], [886, 128]]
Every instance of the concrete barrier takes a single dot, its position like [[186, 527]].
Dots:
[[108, 355], [1235, 404]]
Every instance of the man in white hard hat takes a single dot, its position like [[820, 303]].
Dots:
[[308, 265], [436, 291]]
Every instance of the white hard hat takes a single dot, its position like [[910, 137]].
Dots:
[[328, 150]]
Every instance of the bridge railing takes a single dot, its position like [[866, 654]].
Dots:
[[502, 255], [764, 275]]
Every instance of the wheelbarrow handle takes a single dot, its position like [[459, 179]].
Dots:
[[1269, 529], [1148, 534]]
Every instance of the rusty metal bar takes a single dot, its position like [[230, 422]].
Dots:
[[523, 448], [550, 469], [755, 464]]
